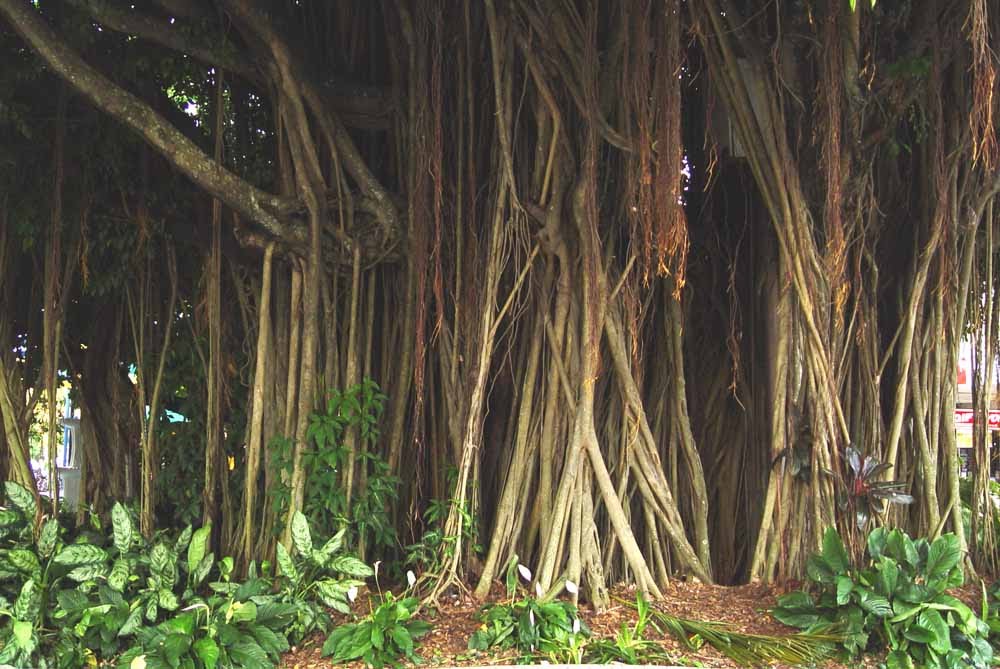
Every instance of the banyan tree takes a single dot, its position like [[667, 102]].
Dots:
[[635, 277]]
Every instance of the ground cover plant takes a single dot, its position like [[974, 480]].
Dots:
[[71, 599], [895, 600]]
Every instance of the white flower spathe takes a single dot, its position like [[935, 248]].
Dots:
[[524, 572], [571, 587], [538, 590], [411, 578], [352, 592]]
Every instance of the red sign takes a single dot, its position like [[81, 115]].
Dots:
[[966, 418]]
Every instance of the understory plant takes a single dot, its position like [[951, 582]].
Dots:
[[106, 594], [532, 625], [896, 601], [314, 578], [365, 513], [629, 645], [386, 636]]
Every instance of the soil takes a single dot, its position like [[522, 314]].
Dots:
[[745, 607]]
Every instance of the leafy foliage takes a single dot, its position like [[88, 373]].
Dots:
[[531, 625], [629, 646], [326, 505], [384, 637], [315, 577], [166, 603], [866, 494], [898, 601]]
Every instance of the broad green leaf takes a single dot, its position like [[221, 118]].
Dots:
[[931, 620], [9, 518], [241, 612], [25, 561], [898, 659], [300, 535], [249, 655], [47, 537], [329, 549], [207, 651], [118, 578], [175, 645], [24, 636], [844, 587], [21, 498], [888, 576], [876, 542], [132, 623], [122, 530], [167, 600], [351, 566], [87, 572], [198, 548], [943, 555], [819, 571], [874, 603], [182, 540], [76, 555], [27, 604], [834, 552], [286, 565], [203, 569], [161, 562]]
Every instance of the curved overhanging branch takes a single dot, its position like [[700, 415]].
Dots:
[[360, 106], [171, 35], [257, 205]]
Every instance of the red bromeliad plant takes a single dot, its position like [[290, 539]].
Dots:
[[866, 494]]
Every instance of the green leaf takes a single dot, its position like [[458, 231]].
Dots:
[[118, 578], [300, 535], [122, 530], [874, 603], [132, 623], [329, 549], [167, 600], [9, 518], [28, 600], [25, 561], [202, 570], [161, 562], [844, 587], [888, 576], [24, 636], [241, 612], [898, 659], [876, 542], [943, 556], [175, 645], [819, 571], [347, 564], [21, 498], [286, 565], [198, 547], [207, 651], [76, 555], [834, 552], [249, 655], [796, 609], [47, 537], [932, 621], [87, 572]]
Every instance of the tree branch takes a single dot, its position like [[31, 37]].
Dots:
[[255, 204]]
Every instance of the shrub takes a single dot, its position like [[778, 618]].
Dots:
[[897, 601]]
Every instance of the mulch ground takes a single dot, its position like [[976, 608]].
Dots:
[[745, 607]]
